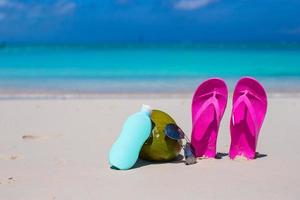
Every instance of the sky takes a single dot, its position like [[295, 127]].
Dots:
[[97, 21]]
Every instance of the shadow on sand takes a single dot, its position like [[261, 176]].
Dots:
[[142, 163], [179, 159], [259, 155], [220, 155]]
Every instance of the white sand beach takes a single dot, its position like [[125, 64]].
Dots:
[[58, 149]]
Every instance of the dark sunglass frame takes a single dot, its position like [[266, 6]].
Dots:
[[174, 132]]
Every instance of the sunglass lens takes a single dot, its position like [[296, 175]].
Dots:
[[174, 132]]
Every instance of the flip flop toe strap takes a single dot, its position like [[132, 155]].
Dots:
[[245, 99], [211, 101]]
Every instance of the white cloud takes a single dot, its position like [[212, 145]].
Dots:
[[10, 4], [15, 9], [3, 3], [64, 8], [192, 4]]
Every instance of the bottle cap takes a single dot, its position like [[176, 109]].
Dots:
[[147, 109]]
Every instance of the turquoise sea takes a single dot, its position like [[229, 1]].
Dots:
[[144, 68]]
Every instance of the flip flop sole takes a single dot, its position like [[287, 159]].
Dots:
[[208, 106], [248, 113]]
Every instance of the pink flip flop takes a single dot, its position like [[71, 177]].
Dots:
[[248, 113], [208, 106]]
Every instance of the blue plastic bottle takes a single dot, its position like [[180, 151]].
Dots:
[[136, 130]]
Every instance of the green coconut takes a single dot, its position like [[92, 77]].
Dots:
[[160, 147]]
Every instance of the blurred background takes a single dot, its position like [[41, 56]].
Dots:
[[131, 46]]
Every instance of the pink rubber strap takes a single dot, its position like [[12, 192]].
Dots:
[[211, 101], [244, 99]]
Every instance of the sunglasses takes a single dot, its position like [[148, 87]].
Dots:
[[174, 132]]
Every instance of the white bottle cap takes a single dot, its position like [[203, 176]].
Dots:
[[147, 109]]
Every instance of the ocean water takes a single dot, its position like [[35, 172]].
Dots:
[[144, 68]]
